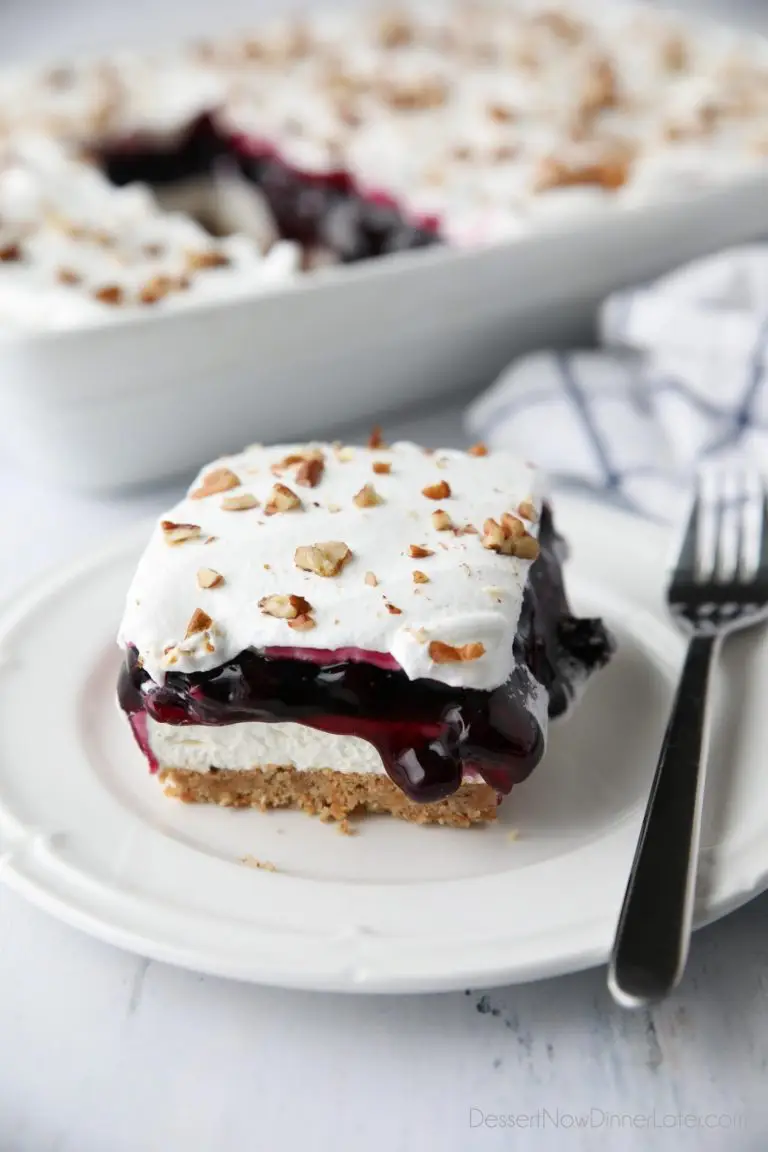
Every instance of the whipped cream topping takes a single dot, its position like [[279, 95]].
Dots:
[[425, 579], [499, 119], [492, 119], [73, 247]]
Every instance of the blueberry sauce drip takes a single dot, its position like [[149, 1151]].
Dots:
[[314, 210], [428, 735]]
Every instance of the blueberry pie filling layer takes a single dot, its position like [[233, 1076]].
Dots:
[[410, 665]]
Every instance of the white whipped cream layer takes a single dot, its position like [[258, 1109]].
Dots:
[[70, 240], [240, 747], [473, 595]]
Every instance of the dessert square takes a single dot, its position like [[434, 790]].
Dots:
[[344, 629]]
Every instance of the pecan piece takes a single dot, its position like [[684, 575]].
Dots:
[[310, 472], [199, 622], [367, 497], [285, 607], [527, 548], [179, 533], [527, 510], [209, 578], [437, 491], [219, 480], [240, 503], [302, 623], [441, 653], [324, 559], [282, 499], [206, 259], [441, 521]]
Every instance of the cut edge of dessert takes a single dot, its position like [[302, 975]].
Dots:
[[409, 667]]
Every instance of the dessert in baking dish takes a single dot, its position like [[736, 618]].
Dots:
[[360, 134], [346, 629]]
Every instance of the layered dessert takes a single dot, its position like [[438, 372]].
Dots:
[[360, 134], [344, 629]]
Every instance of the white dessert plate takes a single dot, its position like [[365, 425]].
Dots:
[[86, 833]]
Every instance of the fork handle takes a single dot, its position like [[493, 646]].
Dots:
[[654, 929]]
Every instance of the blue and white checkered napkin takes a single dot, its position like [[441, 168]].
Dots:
[[681, 379]]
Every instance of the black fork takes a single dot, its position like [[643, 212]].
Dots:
[[719, 586]]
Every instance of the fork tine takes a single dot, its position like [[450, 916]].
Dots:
[[707, 524], [753, 528], [728, 543], [764, 547]]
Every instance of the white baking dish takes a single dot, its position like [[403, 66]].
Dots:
[[139, 398]]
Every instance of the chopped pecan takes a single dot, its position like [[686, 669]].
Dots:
[[418, 552], [438, 491], [415, 95], [66, 275], [240, 503], [209, 578], [109, 294], [441, 521], [282, 499], [478, 449], [527, 510], [501, 113], [285, 607], [219, 480], [324, 559], [310, 472], [302, 623], [609, 173], [367, 497], [395, 31], [420, 577], [179, 533], [199, 622], [527, 548], [441, 653], [512, 527], [493, 535], [208, 258]]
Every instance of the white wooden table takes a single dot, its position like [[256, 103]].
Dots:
[[101, 1051]]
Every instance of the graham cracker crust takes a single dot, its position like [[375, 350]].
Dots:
[[325, 793]]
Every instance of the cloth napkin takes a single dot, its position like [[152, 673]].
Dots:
[[680, 381]]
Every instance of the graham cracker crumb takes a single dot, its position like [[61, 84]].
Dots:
[[254, 862]]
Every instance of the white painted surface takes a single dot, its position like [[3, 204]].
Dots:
[[100, 1052]]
